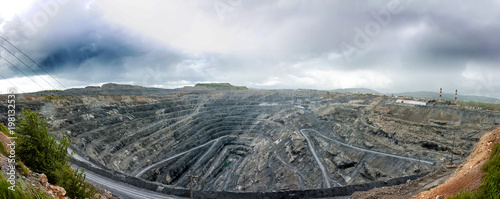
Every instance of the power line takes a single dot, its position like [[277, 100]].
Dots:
[[28, 66], [33, 62], [21, 72], [11, 83], [494, 100]]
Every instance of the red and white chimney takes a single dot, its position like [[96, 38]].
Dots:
[[440, 93]]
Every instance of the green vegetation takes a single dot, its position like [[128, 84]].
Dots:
[[222, 86], [432, 187], [485, 106], [3, 150], [44, 153], [54, 97], [490, 188], [4, 129], [21, 191]]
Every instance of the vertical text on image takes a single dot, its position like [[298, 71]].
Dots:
[[11, 115]]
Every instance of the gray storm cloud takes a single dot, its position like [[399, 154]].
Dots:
[[388, 46]]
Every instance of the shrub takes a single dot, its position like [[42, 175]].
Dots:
[[38, 149], [44, 153], [74, 183]]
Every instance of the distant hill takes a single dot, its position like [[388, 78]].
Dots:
[[123, 89], [428, 95], [356, 90], [448, 96], [221, 86]]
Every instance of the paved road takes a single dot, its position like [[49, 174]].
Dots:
[[326, 179], [299, 175], [122, 189], [80, 158], [167, 159], [117, 188], [125, 190]]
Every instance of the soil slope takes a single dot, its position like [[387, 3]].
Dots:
[[448, 181], [468, 175]]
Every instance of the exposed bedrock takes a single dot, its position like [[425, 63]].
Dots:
[[262, 140]]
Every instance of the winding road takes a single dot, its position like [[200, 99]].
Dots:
[[367, 150], [129, 191], [122, 189], [300, 176], [170, 158], [326, 179]]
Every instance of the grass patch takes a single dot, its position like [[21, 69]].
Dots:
[[54, 97], [22, 168], [222, 86], [3, 151], [432, 187], [490, 188], [5, 130], [485, 106], [22, 190]]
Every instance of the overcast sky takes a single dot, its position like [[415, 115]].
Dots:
[[390, 46]]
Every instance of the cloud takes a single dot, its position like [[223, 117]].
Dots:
[[77, 44], [392, 46]]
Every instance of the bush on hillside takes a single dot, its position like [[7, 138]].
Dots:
[[44, 153]]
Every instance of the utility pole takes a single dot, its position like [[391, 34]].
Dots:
[[191, 176], [419, 164], [452, 148]]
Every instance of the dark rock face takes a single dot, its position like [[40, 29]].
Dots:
[[259, 140], [434, 146]]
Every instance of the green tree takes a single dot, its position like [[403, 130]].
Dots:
[[38, 149], [44, 153]]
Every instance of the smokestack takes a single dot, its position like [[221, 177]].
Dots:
[[440, 93], [456, 91]]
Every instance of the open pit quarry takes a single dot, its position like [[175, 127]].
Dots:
[[262, 141]]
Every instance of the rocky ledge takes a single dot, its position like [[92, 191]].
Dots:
[[256, 140]]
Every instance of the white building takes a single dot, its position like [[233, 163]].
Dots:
[[411, 102]]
